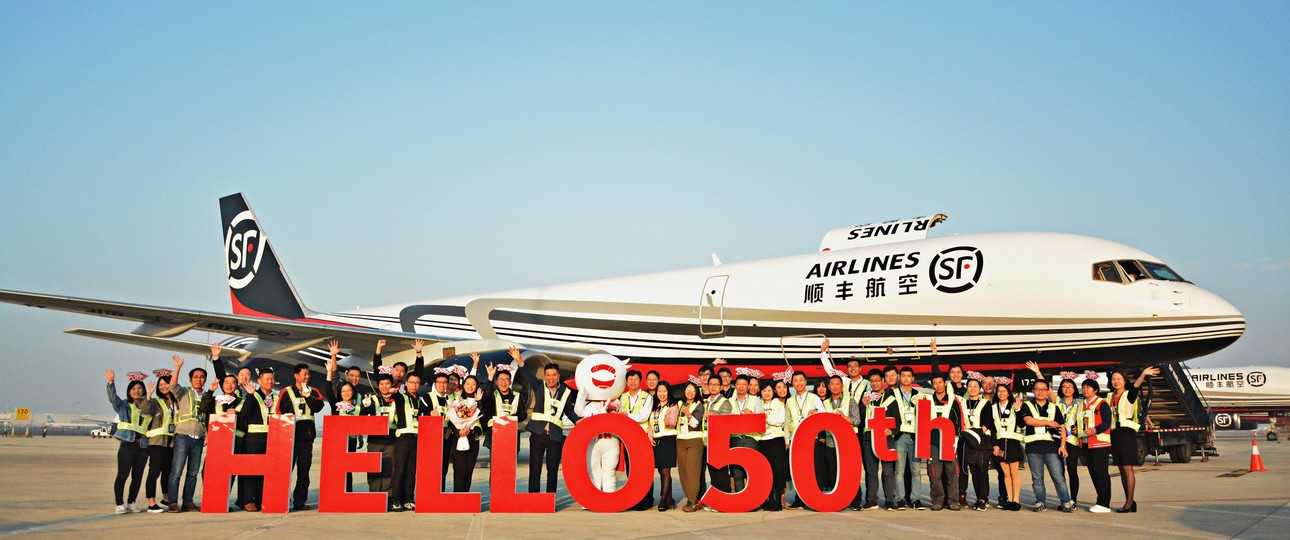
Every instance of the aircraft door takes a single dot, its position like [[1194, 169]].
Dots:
[[712, 299]]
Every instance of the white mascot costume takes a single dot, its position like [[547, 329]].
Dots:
[[601, 379]]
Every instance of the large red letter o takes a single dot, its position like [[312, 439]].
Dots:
[[578, 479]]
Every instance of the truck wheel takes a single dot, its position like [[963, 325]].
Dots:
[[1142, 451], [1182, 453], [1272, 435]]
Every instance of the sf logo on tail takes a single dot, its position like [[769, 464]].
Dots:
[[242, 244]]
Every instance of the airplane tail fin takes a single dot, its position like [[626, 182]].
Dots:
[[49, 419], [258, 285]]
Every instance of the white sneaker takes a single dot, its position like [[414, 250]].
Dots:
[[1099, 509], [121, 509], [132, 508]]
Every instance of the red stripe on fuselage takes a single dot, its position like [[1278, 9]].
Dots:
[[239, 309]]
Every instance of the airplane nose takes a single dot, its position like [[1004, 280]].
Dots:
[[1208, 304]]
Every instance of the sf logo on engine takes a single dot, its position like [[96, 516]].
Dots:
[[242, 244], [1256, 378], [956, 269]]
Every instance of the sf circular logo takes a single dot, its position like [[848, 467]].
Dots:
[[956, 269], [1223, 420], [242, 245], [1257, 378]]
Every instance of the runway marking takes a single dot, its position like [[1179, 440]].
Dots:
[[476, 529], [1084, 521], [1231, 512], [1279, 508], [697, 532], [54, 525], [1214, 500]]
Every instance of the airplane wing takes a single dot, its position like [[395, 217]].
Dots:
[[161, 323]]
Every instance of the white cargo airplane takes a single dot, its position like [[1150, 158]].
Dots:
[[883, 292], [1240, 397]]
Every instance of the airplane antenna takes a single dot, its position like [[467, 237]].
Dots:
[[715, 261]]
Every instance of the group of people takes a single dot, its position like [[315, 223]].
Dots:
[[163, 427]]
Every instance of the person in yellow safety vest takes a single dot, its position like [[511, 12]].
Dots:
[[856, 386], [302, 401], [161, 438], [800, 405], [838, 403], [1002, 416], [637, 405], [194, 407], [1095, 443], [344, 399], [742, 402], [716, 403], [253, 411], [1044, 434], [663, 422], [869, 402], [942, 474], [1071, 405], [551, 404], [504, 402], [689, 444], [1124, 433], [901, 406], [978, 443], [774, 445], [132, 453], [408, 407]]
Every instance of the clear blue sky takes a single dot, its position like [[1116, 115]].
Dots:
[[398, 152]]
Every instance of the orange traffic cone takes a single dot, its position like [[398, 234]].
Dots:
[[1256, 460]]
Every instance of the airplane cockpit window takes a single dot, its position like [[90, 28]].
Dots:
[[1106, 271], [1133, 271], [1129, 271], [1160, 271]]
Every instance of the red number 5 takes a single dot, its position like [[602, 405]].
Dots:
[[720, 454]]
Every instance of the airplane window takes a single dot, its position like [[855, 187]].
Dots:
[[1133, 271], [1106, 271], [1160, 271]]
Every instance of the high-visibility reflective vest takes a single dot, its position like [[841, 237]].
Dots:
[[264, 414], [167, 427], [1005, 426], [1035, 433], [773, 408], [387, 410], [1071, 413], [942, 411], [299, 405], [1124, 413], [684, 431], [410, 413], [137, 423], [194, 400], [908, 413], [798, 406], [844, 405], [711, 409], [1092, 417], [856, 390], [633, 405], [974, 412], [551, 409], [658, 422], [504, 407]]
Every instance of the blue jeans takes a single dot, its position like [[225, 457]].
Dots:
[[188, 456], [905, 457], [1037, 463]]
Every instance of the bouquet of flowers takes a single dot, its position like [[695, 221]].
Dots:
[[875, 398], [463, 413], [344, 407], [224, 399], [613, 406]]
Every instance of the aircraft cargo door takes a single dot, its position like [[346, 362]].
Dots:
[[712, 299]]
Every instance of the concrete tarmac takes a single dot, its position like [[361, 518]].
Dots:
[[62, 487]]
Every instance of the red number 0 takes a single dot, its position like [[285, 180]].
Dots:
[[720, 454]]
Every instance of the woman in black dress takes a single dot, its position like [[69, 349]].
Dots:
[[662, 422], [1125, 423], [1008, 451]]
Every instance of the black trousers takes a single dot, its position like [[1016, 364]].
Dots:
[[978, 463], [404, 481], [130, 460], [1098, 462], [544, 449], [302, 460], [1072, 470], [463, 464], [380, 481], [944, 480], [159, 458], [239, 447], [826, 466], [250, 489]]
